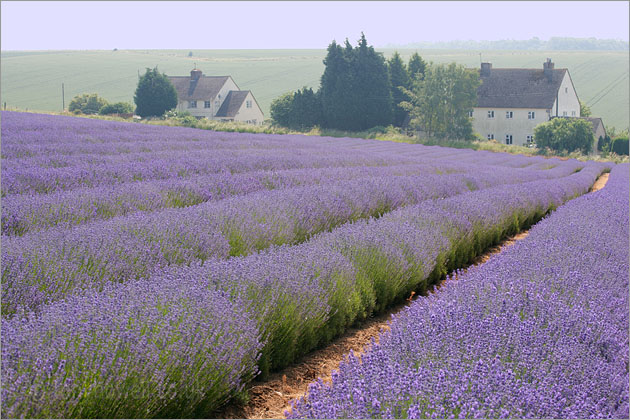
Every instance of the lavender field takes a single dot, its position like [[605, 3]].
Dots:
[[156, 271]]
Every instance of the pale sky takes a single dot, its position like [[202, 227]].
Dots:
[[83, 25]]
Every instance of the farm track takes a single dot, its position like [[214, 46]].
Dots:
[[269, 399]]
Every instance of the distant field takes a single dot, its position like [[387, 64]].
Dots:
[[32, 79]]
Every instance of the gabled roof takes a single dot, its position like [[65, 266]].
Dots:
[[519, 88], [232, 103], [204, 88]]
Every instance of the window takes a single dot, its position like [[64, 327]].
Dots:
[[490, 136], [509, 114], [192, 104], [490, 114], [531, 115], [508, 139], [530, 139], [248, 104], [566, 90], [206, 104], [564, 113], [573, 113], [470, 114]]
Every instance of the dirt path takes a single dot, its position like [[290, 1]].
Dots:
[[269, 399]]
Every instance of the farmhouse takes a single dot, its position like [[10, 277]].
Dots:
[[511, 102], [215, 98]]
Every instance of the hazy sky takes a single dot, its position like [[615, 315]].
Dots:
[[294, 24]]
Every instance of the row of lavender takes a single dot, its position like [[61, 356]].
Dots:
[[540, 331], [21, 214], [186, 339], [47, 265], [186, 153]]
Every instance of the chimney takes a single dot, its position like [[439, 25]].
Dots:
[[548, 69], [485, 69], [195, 74]]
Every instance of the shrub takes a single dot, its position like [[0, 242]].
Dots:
[[565, 135], [620, 145], [116, 108], [88, 103]]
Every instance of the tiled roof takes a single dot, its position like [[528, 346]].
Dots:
[[232, 103], [204, 88], [519, 88]]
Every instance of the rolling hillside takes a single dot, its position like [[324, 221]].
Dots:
[[32, 79]]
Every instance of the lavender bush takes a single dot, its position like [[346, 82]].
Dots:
[[539, 331], [166, 348]]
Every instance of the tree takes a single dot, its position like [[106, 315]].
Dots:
[[88, 103], [298, 110], [565, 135], [417, 67], [585, 111], [355, 88], [155, 94], [441, 101], [116, 108], [399, 79]]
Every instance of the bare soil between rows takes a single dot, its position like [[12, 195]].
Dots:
[[269, 399]]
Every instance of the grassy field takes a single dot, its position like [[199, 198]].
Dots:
[[32, 79]]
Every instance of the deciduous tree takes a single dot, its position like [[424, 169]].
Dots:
[[440, 101]]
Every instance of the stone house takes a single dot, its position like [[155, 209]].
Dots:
[[215, 98], [512, 102]]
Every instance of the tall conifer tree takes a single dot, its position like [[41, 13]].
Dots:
[[398, 77]]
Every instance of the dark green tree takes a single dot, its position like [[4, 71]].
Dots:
[[355, 88], [417, 66], [300, 110], [399, 79], [565, 135], [440, 102], [89, 103], [155, 94]]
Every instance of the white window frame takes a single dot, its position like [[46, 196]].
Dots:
[[573, 113], [248, 104], [530, 138], [564, 113], [509, 115], [508, 139], [531, 115], [490, 114], [192, 104], [206, 104], [490, 136]]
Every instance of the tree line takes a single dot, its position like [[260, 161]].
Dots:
[[360, 90]]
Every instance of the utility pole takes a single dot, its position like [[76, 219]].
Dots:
[[63, 99]]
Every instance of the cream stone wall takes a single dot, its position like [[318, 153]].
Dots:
[[568, 104], [519, 126], [251, 115]]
